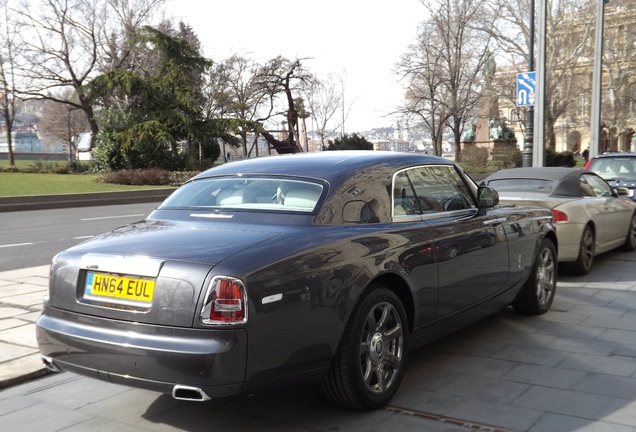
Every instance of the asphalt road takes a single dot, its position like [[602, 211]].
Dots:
[[32, 238]]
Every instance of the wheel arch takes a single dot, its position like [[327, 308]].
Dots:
[[592, 226], [399, 286], [551, 235]]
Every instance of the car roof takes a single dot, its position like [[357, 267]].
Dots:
[[566, 181], [332, 166], [615, 155]]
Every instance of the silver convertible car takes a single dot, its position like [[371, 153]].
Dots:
[[294, 269], [591, 216]]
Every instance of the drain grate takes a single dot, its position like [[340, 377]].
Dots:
[[447, 420]]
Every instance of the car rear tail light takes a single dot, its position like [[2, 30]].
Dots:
[[225, 302], [559, 216]]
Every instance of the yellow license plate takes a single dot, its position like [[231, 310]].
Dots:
[[119, 287]]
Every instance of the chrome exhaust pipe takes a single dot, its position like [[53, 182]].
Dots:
[[48, 363], [192, 394]]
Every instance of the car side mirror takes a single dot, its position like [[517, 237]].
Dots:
[[487, 196], [621, 191]]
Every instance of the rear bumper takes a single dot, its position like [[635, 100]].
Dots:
[[144, 356], [569, 236]]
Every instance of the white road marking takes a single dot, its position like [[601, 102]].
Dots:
[[17, 244]]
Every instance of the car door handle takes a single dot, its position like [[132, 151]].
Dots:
[[494, 222]]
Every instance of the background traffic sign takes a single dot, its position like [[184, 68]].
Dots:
[[526, 88]]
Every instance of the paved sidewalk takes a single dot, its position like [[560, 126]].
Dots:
[[21, 293], [572, 369]]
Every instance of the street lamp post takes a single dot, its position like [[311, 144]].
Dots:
[[527, 146], [595, 115]]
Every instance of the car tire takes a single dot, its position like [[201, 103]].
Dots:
[[536, 297], [583, 263], [369, 364], [630, 239]]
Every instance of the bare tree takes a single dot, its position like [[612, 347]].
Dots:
[[619, 66], [69, 42], [234, 91], [421, 69], [442, 69], [62, 122], [282, 76], [9, 77], [324, 101]]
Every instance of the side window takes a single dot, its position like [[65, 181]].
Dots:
[[404, 202], [430, 189], [586, 188], [600, 187]]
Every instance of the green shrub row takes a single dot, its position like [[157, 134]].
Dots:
[[52, 167], [148, 177]]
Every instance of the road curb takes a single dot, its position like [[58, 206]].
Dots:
[[39, 202]]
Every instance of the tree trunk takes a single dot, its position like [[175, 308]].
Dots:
[[282, 147], [8, 122]]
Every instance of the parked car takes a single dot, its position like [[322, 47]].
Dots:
[[591, 216], [283, 270], [618, 169]]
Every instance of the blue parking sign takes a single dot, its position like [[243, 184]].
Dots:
[[526, 89]]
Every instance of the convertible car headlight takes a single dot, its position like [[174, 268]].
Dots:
[[225, 302]]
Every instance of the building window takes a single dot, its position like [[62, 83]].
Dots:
[[582, 106]]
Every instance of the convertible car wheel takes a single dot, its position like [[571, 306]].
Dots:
[[537, 295], [630, 239], [369, 365], [583, 263]]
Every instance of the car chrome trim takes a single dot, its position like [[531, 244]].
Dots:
[[48, 363], [497, 221], [186, 393], [211, 215], [122, 264], [272, 298], [207, 303]]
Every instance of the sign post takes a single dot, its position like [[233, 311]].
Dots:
[[526, 97]]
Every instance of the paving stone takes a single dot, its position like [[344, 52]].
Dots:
[[11, 352], [499, 415], [23, 335], [13, 289], [477, 366], [484, 389], [539, 356], [608, 385], [30, 300], [568, 402], [42, 417], [22, 368], [10, 312], [561, 423], [586, 346], [619, 336], [15, 404], [9, 323], [600, 364], [544, 376], [98, 424]]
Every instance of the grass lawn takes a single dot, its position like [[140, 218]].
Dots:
[[15, 184]]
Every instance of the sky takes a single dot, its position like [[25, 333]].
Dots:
[[360, 40]]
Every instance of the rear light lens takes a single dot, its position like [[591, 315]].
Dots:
[[559, 216], [225, 302]]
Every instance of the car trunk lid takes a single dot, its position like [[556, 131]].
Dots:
[[132, 273]]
